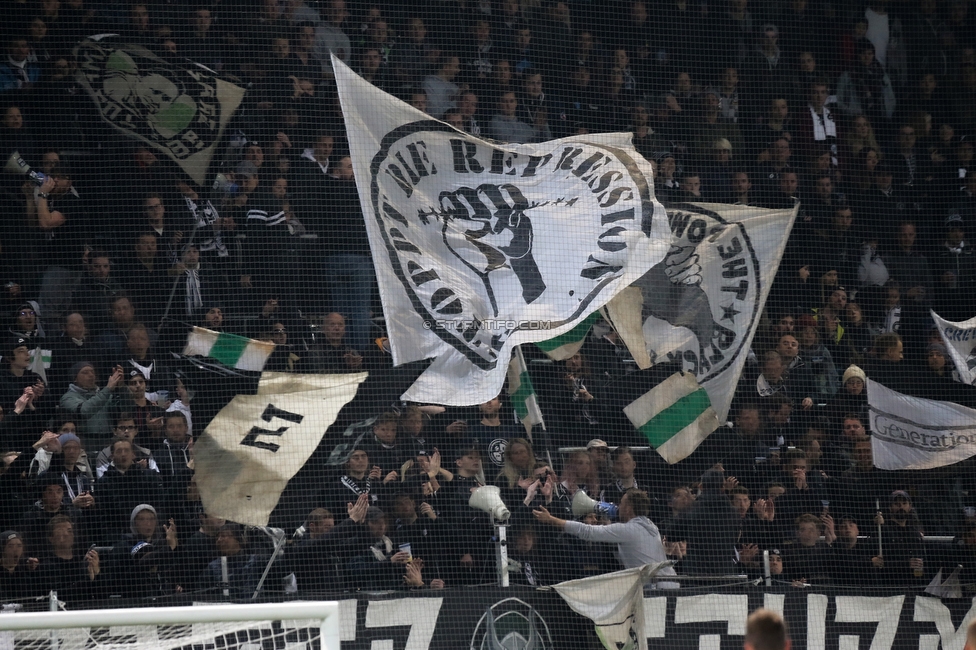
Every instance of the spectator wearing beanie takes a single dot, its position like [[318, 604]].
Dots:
[[91, 405], [17, 572], [147, 551], [851, 398], [74, 469], [24, 418]]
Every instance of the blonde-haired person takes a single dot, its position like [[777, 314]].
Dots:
[[518, 472], [520, 461], [859, 136]]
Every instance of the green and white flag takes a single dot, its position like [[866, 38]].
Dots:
[[229, 349], [566, 345], [177, 108], [701, 305], [40, 362], [675, 416], [521, 392]]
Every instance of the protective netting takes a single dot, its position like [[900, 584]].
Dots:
[[215, 244], [256, 635]]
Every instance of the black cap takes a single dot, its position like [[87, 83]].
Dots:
[[467, 447], [8, 535], [17, 342]]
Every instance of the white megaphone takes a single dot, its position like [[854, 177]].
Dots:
[[489, 499], [224, 184], [17, 165], [584, 505]]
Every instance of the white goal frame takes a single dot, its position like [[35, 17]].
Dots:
[[325, 611]]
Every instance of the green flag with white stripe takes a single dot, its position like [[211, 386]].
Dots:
[[522, 394], [229, 349], [566, 345], [675, 416]]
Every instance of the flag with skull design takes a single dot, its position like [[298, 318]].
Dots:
[[480, 246], [179, 109]]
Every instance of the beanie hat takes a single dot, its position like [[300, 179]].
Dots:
[[68, 437], [75, 369], [135, 511], [855, 372], [901, 494]]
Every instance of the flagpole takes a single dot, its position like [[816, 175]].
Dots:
[[178, 277], [877, 506]]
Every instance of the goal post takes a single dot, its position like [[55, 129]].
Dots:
[[322, 616]]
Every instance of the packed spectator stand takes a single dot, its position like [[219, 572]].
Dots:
[[864, 112]]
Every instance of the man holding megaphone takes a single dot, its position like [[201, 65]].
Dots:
[[637, 538]]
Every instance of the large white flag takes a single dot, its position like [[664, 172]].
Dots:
[[701, 305], [914, 433], [615, 603], [481, 246], [960, 341], [254, 446]]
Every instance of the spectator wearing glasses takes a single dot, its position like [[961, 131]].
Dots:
[[125, 429], [283, 359]]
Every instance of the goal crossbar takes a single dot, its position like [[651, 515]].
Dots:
[[327, 612]]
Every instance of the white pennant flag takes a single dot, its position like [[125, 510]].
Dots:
[[702, 303], [615, 603], [479, 247], [522, 393], [960, 342], [914, 433], [250, 451]]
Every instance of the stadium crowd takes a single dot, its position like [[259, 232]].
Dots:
[[864, 112]]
